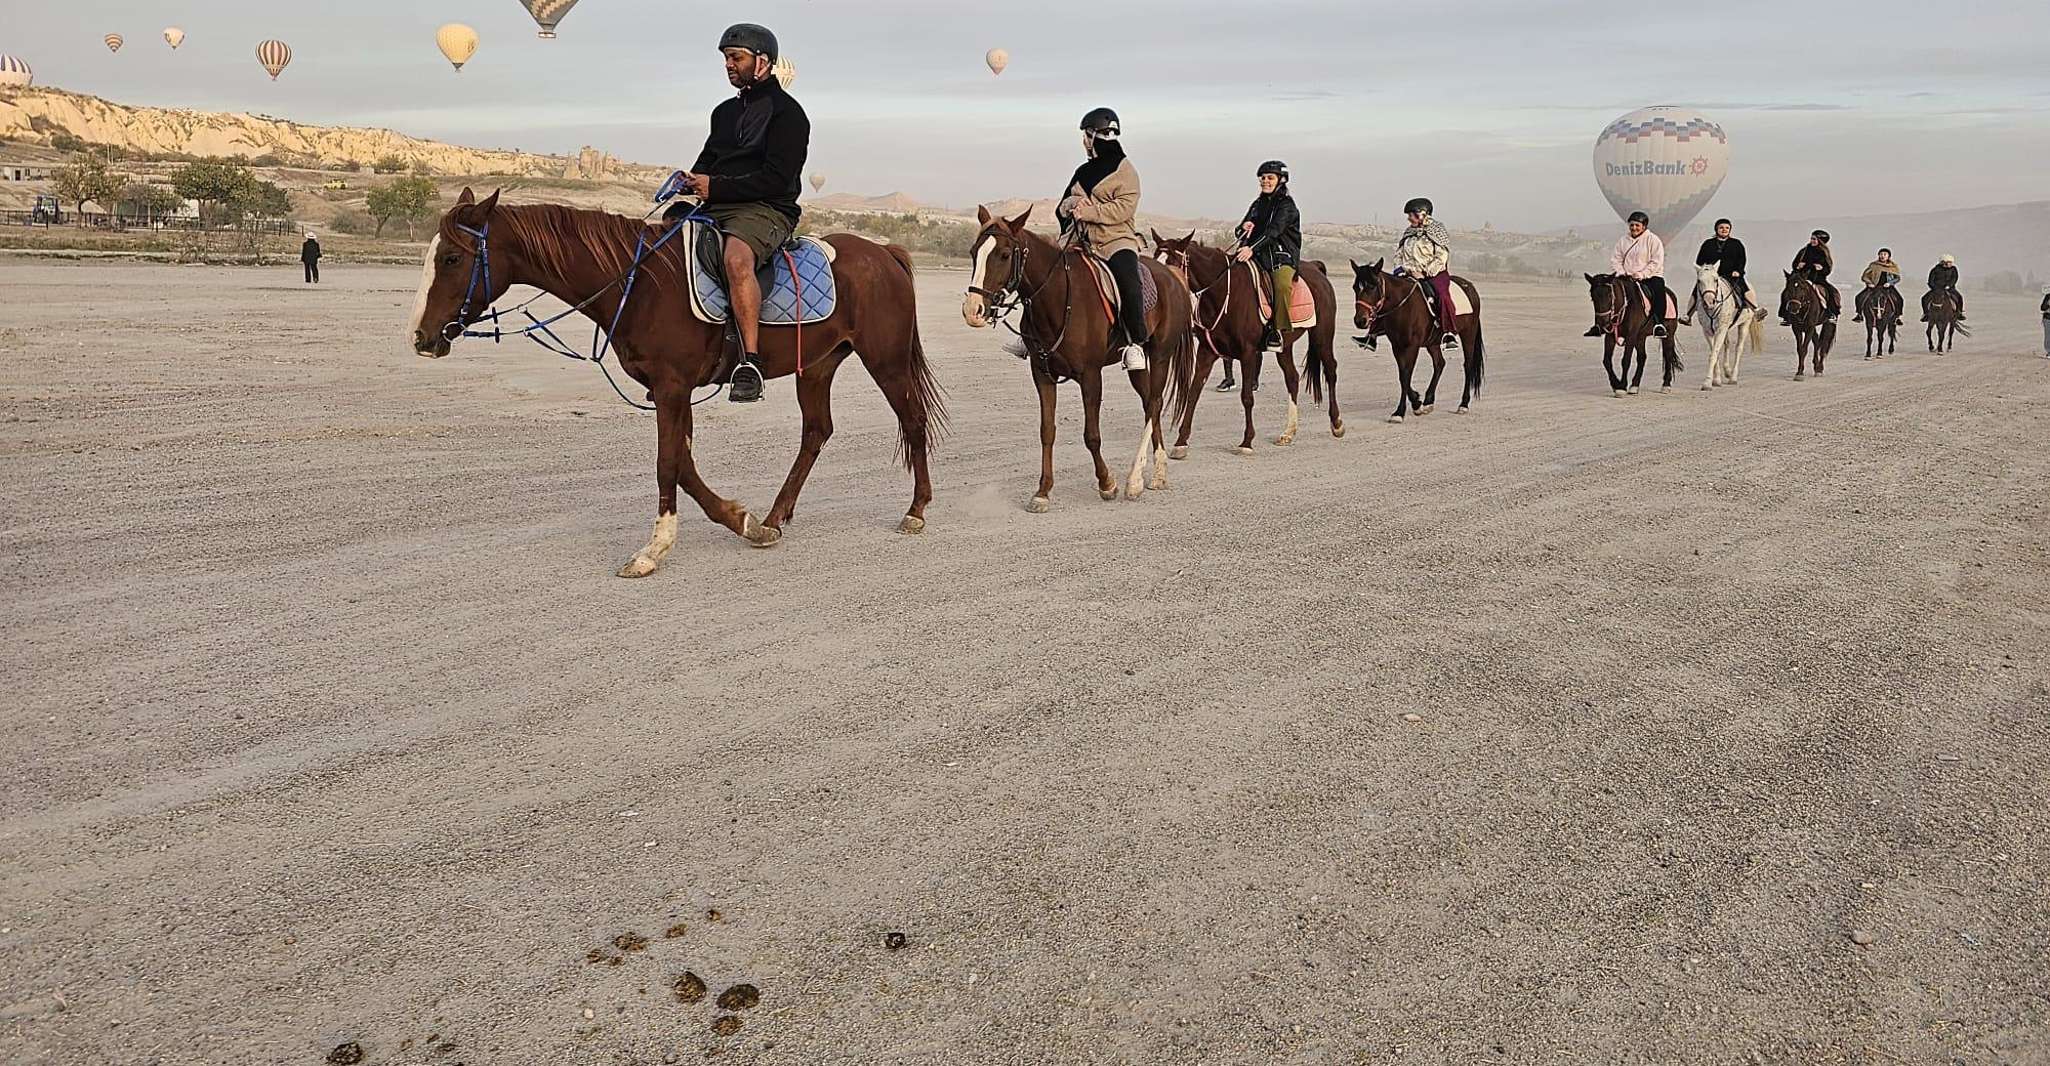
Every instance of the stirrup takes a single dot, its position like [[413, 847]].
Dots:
[[1135, 357], [746, 384], [1449, 340]]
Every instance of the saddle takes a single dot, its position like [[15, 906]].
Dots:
[[797, 282], [1643, 301], [1302, 307], [1461, 304], [1887, 297], [1107, 285]]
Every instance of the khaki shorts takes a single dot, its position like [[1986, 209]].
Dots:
[[764, 228]]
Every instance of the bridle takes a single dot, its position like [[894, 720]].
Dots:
[[1011, 296], [1373, 309], [1184, 271]]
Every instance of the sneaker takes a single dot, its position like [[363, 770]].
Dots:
[[1135, 357], [1686, 320], [1593, 331], [1451, 340], [746, 384], [1270, 337], [1227, 385]]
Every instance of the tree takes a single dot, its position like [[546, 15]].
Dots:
[[263, 199], [216, 183], [393, 163], [88, 178], [408, 200], [140, 199]]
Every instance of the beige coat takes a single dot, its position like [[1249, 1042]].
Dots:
[[1107, 216]]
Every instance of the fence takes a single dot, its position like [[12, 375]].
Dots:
[[104, 221]]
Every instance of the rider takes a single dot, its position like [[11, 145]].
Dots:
[[1813, 263], [747, 177], [1098, 211], [1425, 251], [1727, 253], [1881, 272], [1273, 231], [1640, 254], [1943, 278]]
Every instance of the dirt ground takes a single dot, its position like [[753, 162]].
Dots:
[[1690, 728]]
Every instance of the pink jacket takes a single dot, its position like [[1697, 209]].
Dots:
[[1639, 257]]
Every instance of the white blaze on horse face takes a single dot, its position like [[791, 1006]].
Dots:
[[426, 282], [973, 306]]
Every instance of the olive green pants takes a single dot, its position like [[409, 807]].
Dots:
[[1284, 289], [761, 227]]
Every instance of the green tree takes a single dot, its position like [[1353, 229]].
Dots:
[[214, 183], [393, 163], [406, 200], [88, 178], [263, 199], [140, 199]]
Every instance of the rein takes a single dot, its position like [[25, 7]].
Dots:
[[1373, 308], [1011, 296]]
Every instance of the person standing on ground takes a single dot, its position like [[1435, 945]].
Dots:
[[2045, 308], [309, 257]]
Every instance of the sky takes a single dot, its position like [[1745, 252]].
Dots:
[[1490, 109]]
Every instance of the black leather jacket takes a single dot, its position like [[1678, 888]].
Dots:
[[1277, 239]]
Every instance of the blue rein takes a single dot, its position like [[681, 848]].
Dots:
[[537, 328]]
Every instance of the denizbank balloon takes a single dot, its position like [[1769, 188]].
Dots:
[[1664, 161]]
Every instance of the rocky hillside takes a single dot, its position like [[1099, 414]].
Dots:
[[48, 116]]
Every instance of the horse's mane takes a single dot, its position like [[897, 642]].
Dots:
[[568, 241]]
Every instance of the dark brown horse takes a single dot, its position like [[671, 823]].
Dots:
[[1944, 328], [1620, 312], [1067, 333], [1395, 306], [1879, 307], [1807, 314], [483, 249], [1228, 325]]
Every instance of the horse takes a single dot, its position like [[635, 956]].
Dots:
[[1620, 311], [1727, 326], [1943, 329], [1228, 324], [1395, 306], [1066, 326], [1807, 315], [1880, 307], [582, 257]]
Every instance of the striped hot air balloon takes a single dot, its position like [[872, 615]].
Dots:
[[113, 42], [1667, 162], [174, 37], [457, 42], [15, 72], [785, 71], [547, 13], [275, 57]]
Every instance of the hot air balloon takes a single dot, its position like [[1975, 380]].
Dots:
[[458, 42], [785, 71], [547, 13], [113, 42], [997, 59], [275, 57], [15, 72], [1664, 161], [818, 181], [174, 37]]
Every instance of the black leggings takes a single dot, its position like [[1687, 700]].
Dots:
[[1125, 267], [1655, 293]]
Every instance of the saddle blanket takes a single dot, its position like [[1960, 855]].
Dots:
[[1302, 307], [780, 290], [1107, 286], [1461, 304]]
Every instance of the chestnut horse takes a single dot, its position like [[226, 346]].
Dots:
[[1395, 306], [1067, 332], [1228, 325], [583, 258], [1807, 314], [1619, 311]]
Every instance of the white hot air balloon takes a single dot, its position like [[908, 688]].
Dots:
[[547, 13], [15, 72], [456, 41], [997, 59], [818, 181], [785, 71], [1664, 161], [113, 42], [275, 57], [174, 37]]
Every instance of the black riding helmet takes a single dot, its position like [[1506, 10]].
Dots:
[[1103, 122], [1418, 205], [756, 39], [1273, 166], [1639, 216], [1821, 235]]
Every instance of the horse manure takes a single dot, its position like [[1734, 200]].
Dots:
[[893, 941], [675, 931], [347, 1054], [615, 960], [630, 942], [726, 1025], [596, 956], [740, 997], [690, 988], [713, 915]]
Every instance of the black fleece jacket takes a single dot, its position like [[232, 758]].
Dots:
[[1277, 229], [757, 148]]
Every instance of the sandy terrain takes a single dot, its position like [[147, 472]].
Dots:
[[329, 722]]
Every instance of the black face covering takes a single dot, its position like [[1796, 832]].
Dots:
[[1108, 155]]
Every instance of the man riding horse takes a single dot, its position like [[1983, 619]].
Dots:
[[1885, 275], [1943, 278], [1640, 254], [1425, 251], [1726, 253], [1813, 264], [748, 177]]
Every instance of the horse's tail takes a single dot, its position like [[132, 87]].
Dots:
[[1321, 364], [1181, 384], [1477, 358], [1827, 339], [928, 412], [1757, 332]]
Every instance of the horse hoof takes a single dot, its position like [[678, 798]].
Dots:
[[1109, 493], [1338, 430], [1426, 409], [759, 535], [1243, 449], [638, 566], [1283, 442], [1463, 409], [1156, 484], [1800, 377], [1665, 388], [1634, 390], [1037, 504], [911, 524], [1394, 420], [1181, 451], [1708, 386]]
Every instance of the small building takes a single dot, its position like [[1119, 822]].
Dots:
[[23, 162]]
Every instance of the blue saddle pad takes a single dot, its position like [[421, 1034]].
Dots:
[[813, 279]]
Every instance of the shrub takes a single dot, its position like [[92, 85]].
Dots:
[[353, 222]]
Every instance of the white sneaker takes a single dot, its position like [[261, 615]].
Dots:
[[1135, 357]]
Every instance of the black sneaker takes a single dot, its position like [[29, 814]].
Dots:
[[1270, 337], [746, 384], [1451, 340], [1593, 331], [1227, 385]]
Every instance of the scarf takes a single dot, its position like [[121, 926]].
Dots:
[[1108, 155]]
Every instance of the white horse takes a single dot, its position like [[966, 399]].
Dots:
[[1726, 326]]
